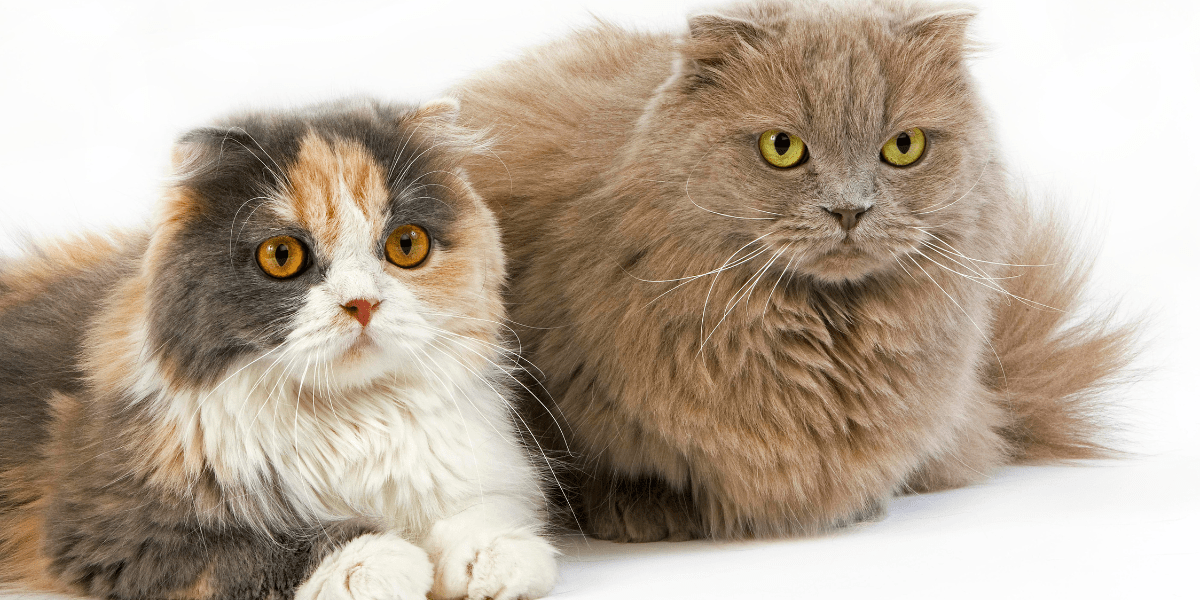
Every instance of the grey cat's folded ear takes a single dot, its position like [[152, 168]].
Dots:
[[713, 40], [943, 30]]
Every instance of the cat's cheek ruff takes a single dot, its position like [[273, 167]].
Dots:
[[410, 451]]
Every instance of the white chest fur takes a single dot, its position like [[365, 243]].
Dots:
[[406, 452]]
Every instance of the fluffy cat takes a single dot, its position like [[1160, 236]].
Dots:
[[775, 273], [292, 385]]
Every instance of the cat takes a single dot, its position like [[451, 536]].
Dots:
[[292, 385], [774, 271]]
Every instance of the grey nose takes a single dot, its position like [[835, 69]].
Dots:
[[848, 217]]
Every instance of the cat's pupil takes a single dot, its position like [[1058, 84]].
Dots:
[[281, 254], [406, 243], [903, 143], [782, 143]]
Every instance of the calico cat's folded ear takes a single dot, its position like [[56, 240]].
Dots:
[[712, 41], [438, 112], [455, 142], [199, 150]]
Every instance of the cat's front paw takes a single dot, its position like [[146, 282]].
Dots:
[[645, 510], [508, 567], [380, 566]]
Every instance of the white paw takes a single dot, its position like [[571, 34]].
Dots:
[[381, 566], [508, 567]]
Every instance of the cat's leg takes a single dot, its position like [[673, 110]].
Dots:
[[133, 557], [637, 510], [976, 448], [491, 550], [377, 566]]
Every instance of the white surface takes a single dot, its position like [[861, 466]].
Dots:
[[1096, 102]]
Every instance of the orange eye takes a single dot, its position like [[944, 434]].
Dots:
[[282, 256], [407, 246]]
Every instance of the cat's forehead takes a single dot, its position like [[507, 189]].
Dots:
[[331, 185], [830, 66], [322, 173]]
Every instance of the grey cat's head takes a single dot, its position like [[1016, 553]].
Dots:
[[800, 126], [337, 242]]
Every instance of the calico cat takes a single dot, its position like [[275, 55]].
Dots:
[[775, 273], [293, 385]]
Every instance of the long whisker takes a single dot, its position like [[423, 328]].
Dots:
[[281, 174], [754, 279], [987, 281], [738, 295], [233, 221], [687, 192], [982, 171], [926, 231], [723, 267], [984, 335], [704, 309], [691, 279], [531, 393], [532, 435], [786, 269], [400, 152], [457, 408], [685, 183]]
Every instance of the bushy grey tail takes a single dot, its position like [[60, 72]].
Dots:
[[1057, 363]]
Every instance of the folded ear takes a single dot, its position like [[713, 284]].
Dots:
[[941, 32], [438, 120], [202, 149], [720, 29], [440, 112], [713, 41]]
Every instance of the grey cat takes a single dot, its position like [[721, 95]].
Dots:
[[775, 273]]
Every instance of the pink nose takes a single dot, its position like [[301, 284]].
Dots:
[[361, 310]]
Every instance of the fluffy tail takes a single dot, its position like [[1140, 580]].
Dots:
[[1057, 363]]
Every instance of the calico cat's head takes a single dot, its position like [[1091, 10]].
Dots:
[[338, 243], [839, 137]]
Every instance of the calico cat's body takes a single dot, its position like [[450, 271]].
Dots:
[[734, 348], [290, 386]]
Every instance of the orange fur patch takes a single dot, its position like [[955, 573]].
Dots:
[[325, 176], [27, 279]]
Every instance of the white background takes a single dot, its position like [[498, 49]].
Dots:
[[1097, 104]]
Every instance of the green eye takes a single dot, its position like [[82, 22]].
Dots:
[[782, 149], [904, 149]]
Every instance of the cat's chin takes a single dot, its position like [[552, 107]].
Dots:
[[845, 266]]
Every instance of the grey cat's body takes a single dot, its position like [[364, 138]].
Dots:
[[735, 347]]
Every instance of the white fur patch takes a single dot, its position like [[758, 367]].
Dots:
[[371, 567], [483, 553]]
